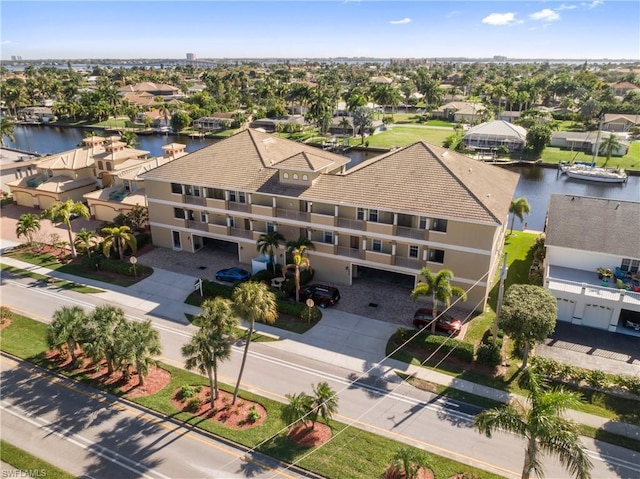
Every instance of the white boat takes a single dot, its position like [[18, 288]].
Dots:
[[594, 173]]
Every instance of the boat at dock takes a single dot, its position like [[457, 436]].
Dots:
[[588, 172]]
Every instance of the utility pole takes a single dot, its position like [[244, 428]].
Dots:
[[503, 276]]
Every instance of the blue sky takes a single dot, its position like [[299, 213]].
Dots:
[[312, 29]]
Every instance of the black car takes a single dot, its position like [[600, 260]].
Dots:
[[321, 294]]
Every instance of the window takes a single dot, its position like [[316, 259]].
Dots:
[[436, 256], [373, 215], [423, 223], [196, 191], [127, 185], [295, 176], [305, 178], [109, 166], [630, 265], [285, 176], [328, 237], [178, 213], [376, 245], [232, 196], [413, 251], [188, 190], [439, 225], [241, 197], [176, 239], [100, 166], [360, 214], [176, 188], [203, 217], [232, 222], [190, 216], [271, 227]]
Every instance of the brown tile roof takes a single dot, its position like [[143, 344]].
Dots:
[[306, 161], [594, 224], [419, 179], [72, 159]]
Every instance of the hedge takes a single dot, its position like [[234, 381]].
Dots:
[[446, 345]]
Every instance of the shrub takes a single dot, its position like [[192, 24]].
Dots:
[[187, 392], [211, 289], [488, 355], [597, 379], [445, 345], [253, 415], [5, 314], [306, 276], [262, 276], [194, 404], [143, 239]]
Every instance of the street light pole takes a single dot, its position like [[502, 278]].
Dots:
[[503, 276]]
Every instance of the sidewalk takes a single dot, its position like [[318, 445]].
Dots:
[[352, 342]]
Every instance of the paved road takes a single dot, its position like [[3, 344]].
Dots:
[[96, 435], [376, 402]]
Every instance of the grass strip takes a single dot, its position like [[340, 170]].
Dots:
[[48, 280], [30, 465], [239, 333], [354, 453]]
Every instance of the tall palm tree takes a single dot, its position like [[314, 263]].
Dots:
[[542, 425], [118, 238], [609, 144], [267, 243], [406, 463], [86, 239], [66, 328], [519, 207], [299, 260], [439, 288], [137, 343], [63, 213], [28, 225], [6, 129], [253, 302], [99, 334], [324, 403]]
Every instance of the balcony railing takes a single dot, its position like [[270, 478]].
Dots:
[[243, 207], [197, 225], [411, 263], [292, 214], [194, 200], [240, 233], [350, 252], [351, 224], [413, 233]]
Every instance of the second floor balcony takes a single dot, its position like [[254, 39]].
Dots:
[[35, 181]]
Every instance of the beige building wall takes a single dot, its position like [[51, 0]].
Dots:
[[466, 234]]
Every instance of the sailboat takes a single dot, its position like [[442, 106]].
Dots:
[[591, 172]]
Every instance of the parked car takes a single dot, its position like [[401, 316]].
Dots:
[[321, 294], [445, 323], [233, 275]]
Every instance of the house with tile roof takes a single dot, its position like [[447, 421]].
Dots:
[[582, 235], [417, 206], [586, 141], [492, 135], [620, 122], [461, 112]]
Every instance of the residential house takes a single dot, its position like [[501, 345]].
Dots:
[[461, 112], [509, 115], [270, 125], [216, 122], [376, 216], [117, 156], [15, 165], [36, 114], [127, 185], [338, 128], [585, 141], [156, 89], [582, 235], [620, 122], [492, 135], [620, 89]]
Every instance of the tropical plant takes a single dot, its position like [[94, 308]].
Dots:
[[66, 328], [267, 243], [324, 403], [519, 207], [298, 410], [298, 261], [136, 345], [28, 225], [253, 302], [406, 464], [99, 334], [118, 238], [64, 213], [528, 315], [542, 425], [6, 129], [362, 121], [610, 144], [86, 239], [439, 288]]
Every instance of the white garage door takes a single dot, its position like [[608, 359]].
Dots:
[[596, 316], [565, 309]]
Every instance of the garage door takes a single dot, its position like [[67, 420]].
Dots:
[[596, 316], [565, 309]]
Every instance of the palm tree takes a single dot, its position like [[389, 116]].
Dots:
[[542, 425], [63, 213], [267, 243], [86, 239], [298, 261], [253, 302], [28, 224], [439, 288], [519, 207], [324, 403], [118, 238], [406, 463], [66, 328], [137, 343], [6, 129], [99, 334], [610, 144], [299, 407]]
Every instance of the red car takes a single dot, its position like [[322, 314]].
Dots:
[[445, 323]]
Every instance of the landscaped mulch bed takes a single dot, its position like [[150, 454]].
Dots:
[[310, 436]]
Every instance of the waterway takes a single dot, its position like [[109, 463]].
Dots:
[[537, 183]]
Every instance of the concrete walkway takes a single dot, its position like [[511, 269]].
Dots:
[[353, 342]]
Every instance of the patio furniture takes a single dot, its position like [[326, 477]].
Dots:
[[277, 283], [619, 274]]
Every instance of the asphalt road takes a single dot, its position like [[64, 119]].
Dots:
[[380, 405]]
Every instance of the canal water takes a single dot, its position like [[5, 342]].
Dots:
[[536, 183]]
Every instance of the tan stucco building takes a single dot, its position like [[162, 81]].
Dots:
[[418, 206]]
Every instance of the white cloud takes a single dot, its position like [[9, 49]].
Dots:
[[592, 4], [400, 22], [453, 13], [501, 19], [546, 15], [566, 7]]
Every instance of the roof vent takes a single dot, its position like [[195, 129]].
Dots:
[[267, 140]]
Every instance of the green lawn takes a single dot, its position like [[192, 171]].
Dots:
[[354, 453], [631, 161], [403, 136], [48, 280], [29, 464]]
